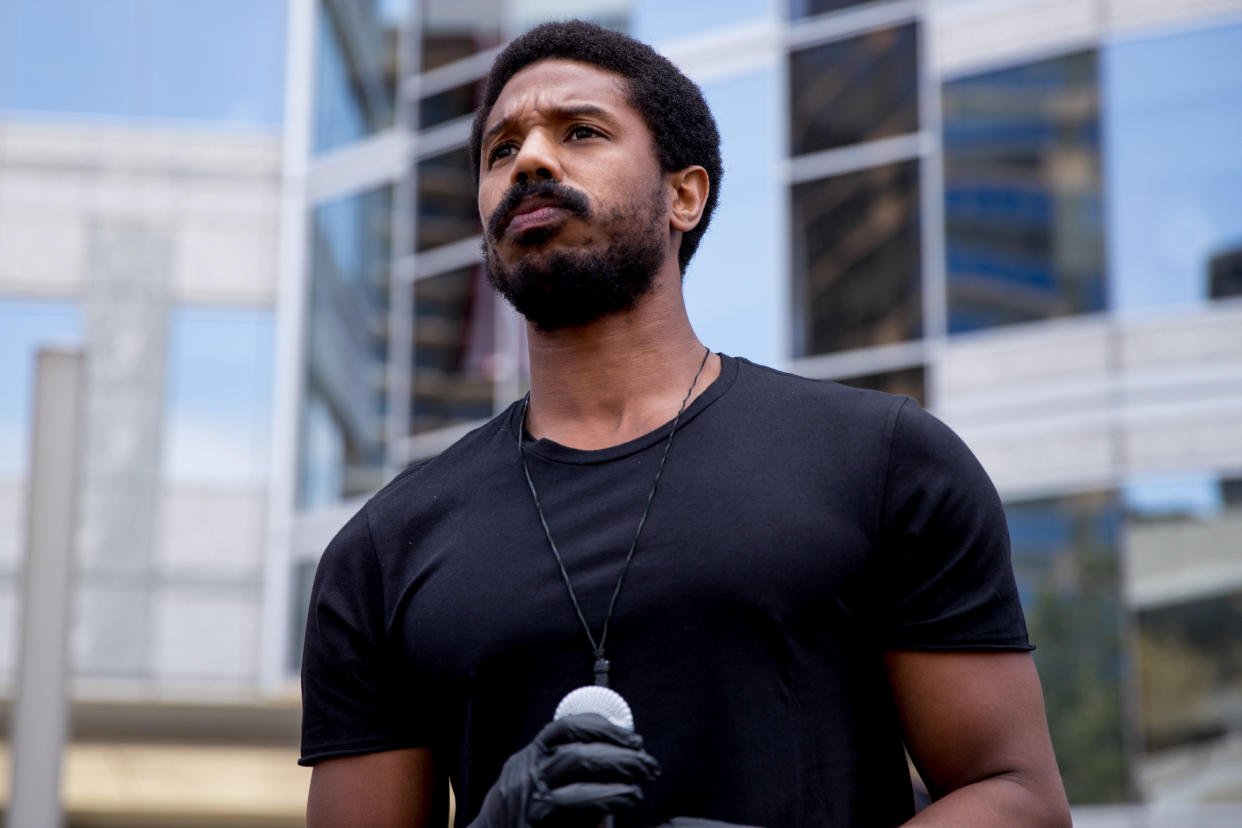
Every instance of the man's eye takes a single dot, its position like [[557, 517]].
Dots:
[[499, 151], [579, 132]]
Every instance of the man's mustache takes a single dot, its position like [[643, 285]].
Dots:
[[553, 193]]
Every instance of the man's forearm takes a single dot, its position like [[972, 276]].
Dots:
[[1005, 799]]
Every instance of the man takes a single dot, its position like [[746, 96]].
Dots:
[[787, 579]]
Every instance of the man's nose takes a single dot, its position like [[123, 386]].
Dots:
[[537, 159]]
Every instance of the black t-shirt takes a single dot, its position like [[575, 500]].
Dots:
[[800, 529]]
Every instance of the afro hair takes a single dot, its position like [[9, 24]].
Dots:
[[672, 106]]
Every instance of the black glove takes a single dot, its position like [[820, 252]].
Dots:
[[695, 822], [578, 767]]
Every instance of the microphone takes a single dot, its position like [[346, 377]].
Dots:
[[602, 701]]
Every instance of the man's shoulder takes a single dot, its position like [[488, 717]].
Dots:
[[794, 394], [473, 455]]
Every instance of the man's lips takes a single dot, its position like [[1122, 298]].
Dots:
[[539, 215]]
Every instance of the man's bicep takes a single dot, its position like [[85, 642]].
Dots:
[[390, 789], [969, 716]]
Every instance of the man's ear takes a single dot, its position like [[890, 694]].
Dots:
[[690, 188]]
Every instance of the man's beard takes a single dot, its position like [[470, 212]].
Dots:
[[561, 288]]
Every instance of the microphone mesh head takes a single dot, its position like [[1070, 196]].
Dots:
[[601, 701]]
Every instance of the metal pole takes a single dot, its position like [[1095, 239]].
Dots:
[[41, 710]]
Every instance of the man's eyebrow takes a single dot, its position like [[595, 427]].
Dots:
[[559, 113]]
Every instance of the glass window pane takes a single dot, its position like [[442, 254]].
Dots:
[[347, 344], [856, 260], [450, 104], [448, 209], [219, 396], [905, 381], [356, 67], [1183, 540], [854, 90], [1065, 557], [452, 30], [199, 60], [456, 357], [806, 8], [1022, 194], [1174, 177]]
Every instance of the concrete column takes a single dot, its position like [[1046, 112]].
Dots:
[[41, 711]]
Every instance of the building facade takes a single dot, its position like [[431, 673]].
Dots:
[[1023, 213]]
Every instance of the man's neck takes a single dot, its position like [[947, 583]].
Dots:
[[602, 384]]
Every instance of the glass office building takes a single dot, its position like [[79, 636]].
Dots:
[[1023, 213]]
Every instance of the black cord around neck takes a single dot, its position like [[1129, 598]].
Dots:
[[602, 664]]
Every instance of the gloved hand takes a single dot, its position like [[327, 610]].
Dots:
[[577, 767], [695, 822]]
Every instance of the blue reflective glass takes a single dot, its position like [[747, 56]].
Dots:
[[1065, 557], [219, 395], [806, 8], [347, 348], [1173, 120], [199, 60], [355, 73], [26, 326], [654, 20], [1024, 235]]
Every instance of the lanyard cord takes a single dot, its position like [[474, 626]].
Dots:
[[602, 664]]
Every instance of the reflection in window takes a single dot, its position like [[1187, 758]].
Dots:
[[1225, 274], [806, 8], [1022, 194], [854, 90], [452, 30], [356, 69], [199, 60], [219, 386], [458, 102], [1174, 177], [1183, 538], [347, 344], [905, 381], [25, 327], [447, 208], [1065, 554], [856, 259], [456, 359]]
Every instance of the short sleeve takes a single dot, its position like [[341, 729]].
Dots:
[[945, 571], [352, 688]]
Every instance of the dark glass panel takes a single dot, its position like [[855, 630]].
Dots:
[[905, 381], [1190, 666], [1183, 548], [856, 260], [449, 104], [447, 208], [1022, 194], [806, 8], [347, 349], [456, 363], [854, 90], [356, 68], [1065, 557], [452, 30], [1225, 274]]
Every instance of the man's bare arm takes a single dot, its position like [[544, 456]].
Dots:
[[391, 789], [975, 727]]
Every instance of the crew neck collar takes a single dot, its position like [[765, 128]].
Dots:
[[551, 450]]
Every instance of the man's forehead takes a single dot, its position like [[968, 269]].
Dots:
[[559, 83]]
